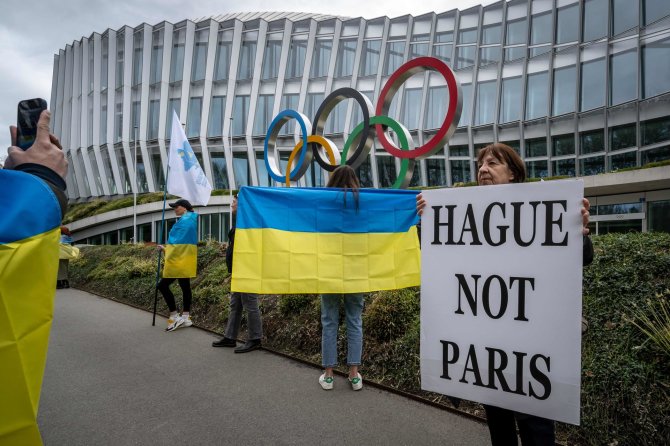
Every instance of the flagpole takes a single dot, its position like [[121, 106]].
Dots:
[[230, 184]]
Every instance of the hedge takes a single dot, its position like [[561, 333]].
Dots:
[[625, 385]]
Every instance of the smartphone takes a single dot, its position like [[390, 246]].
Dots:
[[28, 114]]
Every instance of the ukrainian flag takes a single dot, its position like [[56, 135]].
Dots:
[[29, 236], [292, 240], [181, 251]]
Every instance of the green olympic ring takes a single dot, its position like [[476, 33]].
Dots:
[[406, 143]]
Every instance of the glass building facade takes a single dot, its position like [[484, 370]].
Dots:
[[578, 87]]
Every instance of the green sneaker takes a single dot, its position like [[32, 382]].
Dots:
[[326, 382], [356, 382]]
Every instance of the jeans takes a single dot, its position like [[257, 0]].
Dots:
[[330, 319], [249, 302]]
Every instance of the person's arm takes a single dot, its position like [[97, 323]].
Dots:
[[587, 251]]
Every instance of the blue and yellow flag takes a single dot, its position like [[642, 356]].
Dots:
[[325, 241], [181, 251], [29, 235]]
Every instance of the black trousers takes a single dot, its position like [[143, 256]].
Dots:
[[164, 288], [534, 431]]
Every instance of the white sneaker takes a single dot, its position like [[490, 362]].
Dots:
[[356, 382], [173, 323], [326, 382], [186, 321]]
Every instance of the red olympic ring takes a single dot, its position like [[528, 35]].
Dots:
[[450, 122]]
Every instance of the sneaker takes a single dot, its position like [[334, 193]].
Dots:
[[356, 382], [326, 382], [185, 321], [173, 323]]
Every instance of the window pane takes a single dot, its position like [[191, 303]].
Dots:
[[592, 142], [173, 104], [199, 55], [247, 56], [344, 66], [418, 50], [335, 122], [411, 108], [486, 102], [510, 105], [540, 29], [215, 124], [624, 15], [536, 95], [595, 19], [567, 21], [592, 166], [296, 58], [622, 136], [593, 84], [623, 72], [321, 59], [659, 216], [465, 56], [563, 145], [514, 53], [443, 52], [655, 155], [465, 110], [564, 167], [537, 169], [154, 111], [119, 59], [264, 178], [104, 65], [137, 58], [655, 130], [118, 122], [516, 32], [489, 55], [565, 90], [156, 57], [103, 119], [312, 103], [177, 61], [370, 57], [536, 147], [460, 150], [222, 58], [656, 68], [460, 171], [467, 35], [655, 9], [157, 165], [289, 101], [240, 114], [263, 116], [386, 170], [271, 59], [395, 52], [437, 107], [623, 160], [436, 170], [241, 168], [491, 34], [193, 118], [219, 170]]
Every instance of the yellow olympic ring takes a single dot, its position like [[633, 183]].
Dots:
[[331, 151]]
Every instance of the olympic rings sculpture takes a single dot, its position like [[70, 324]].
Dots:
[[313, 145]]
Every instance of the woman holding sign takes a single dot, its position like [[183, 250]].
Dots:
[[500, 164]]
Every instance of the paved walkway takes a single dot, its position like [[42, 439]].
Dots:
[[113, 379]]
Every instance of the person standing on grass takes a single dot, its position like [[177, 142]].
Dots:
[[343, 177], [181, 261]]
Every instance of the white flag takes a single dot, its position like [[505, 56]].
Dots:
[[186, 178]]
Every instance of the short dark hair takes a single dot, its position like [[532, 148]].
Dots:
[[508, 155]]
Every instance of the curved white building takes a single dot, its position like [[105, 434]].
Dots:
[[579, 87]]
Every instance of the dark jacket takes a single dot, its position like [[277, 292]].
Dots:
[[229, 250]]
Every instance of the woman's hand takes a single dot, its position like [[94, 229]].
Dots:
[[420, 204], [585, 216]]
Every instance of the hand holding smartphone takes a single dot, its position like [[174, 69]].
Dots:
[[28, 114]]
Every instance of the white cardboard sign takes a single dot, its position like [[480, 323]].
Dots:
[[501, 293]]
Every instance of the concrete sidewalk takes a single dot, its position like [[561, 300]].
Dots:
[[113, 379]]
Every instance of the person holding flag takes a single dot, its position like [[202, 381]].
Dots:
[[185, 179]]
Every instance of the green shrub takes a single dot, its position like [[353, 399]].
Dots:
[[390, 312]]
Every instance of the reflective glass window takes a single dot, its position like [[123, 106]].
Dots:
[[516, 32], [321, 59], [655, 155], [411, 108], [465, 56], [216, 110], [536, 147], [595, 19], [565, 90], [443, 52], [623, 160], [537, 169], [467, 35], [460, 171], [565, 167], [437, 107], [199, 55], [592, 141], [156, 57], [536, 95], [264, 178], [386, 170], [510, 102], [623, 75], [263, 116], [593, 84], [658, 216], [247, 56], [223, 47], [444, 36], [465, 110], [241, 169], [104, 63], [103, 119], [118, 121], [656, 68], [312, 103], [154, 112], [436, 171], [219, 170], [137, 57], [655, 130], [271, 58], [173, 104], [119, 59], [489, 54], [370, 57], [567, 24], [240, 114], [540, 28], [624, 15], [486, 102], [514, 53], [563, 145], [655, 9], [592, 166], [395, 54], [459, 150], [623, 136], [419, 50], [491, 34], [296, 57], [193, 118], [177, 61], [335, 122], [346, 51], [289, 101]]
